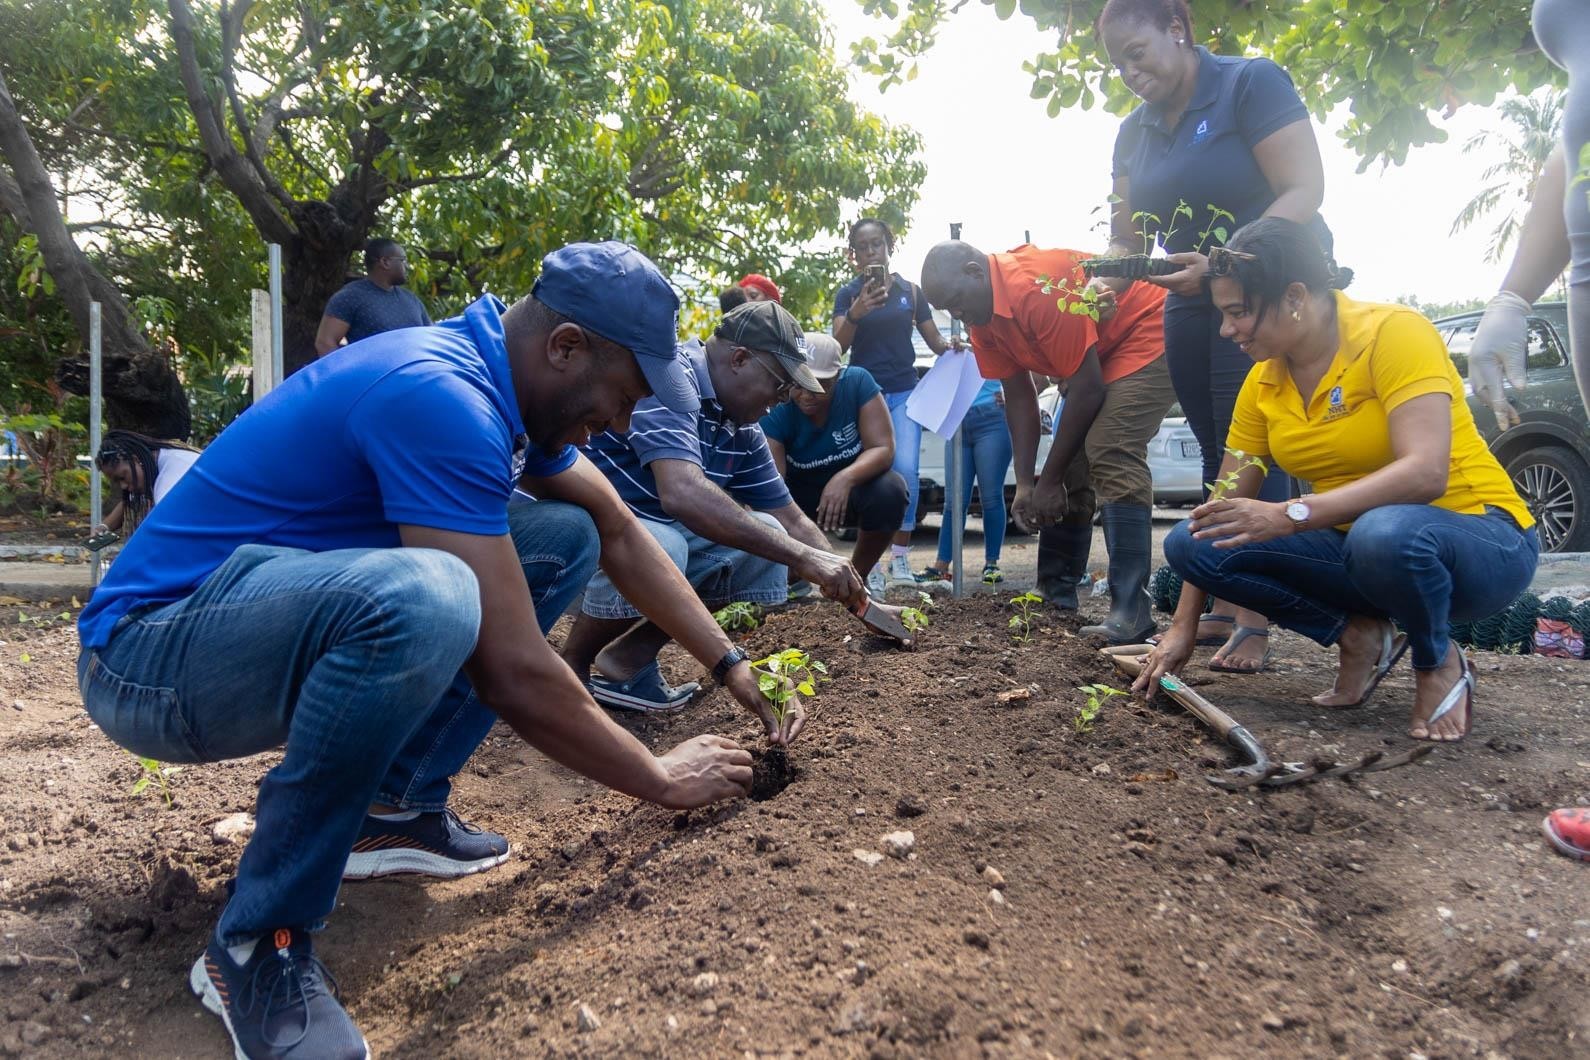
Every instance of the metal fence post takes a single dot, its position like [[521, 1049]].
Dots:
[[955, 503], [275, 257]]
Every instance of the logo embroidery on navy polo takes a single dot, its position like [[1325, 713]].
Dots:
[[1201, 133]]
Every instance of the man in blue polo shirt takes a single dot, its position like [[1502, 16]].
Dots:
[[342, 573], [691, 477]]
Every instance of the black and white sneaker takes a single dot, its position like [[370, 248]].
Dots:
[[277, 1005], [434, 844]]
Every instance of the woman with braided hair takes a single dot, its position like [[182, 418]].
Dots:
[[145, 468]]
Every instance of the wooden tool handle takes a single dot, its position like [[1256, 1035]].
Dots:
[[1129, 660]]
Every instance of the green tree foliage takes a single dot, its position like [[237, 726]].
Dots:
[[1393, 61], [1510, 181], [717, 135]]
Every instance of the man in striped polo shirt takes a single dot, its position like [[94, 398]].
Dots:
[[707, 489]]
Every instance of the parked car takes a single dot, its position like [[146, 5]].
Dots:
[[1548, 453]]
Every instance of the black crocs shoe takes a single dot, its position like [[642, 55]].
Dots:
[[432, 844], [280, 1004]]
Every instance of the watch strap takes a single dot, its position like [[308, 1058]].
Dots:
[[735, 656]]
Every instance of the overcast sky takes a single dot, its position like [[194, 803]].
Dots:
[[998, 164]]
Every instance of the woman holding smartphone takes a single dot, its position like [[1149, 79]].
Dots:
[[874, 315]]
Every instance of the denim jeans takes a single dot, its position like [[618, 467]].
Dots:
[[1207, 371], [907, 452], [985, 439], [351, 659], [1421, 566], [718, 573]]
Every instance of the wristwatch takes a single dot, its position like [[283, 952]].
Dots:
[[1299, 512], [720, 672]]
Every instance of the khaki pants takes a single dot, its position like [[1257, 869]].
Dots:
[[1113, 465]]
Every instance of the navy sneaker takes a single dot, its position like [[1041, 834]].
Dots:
[[434, 844], [277, 1004], [645, 691]]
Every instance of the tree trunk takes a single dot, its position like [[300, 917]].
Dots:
[[142, 391], [310, 276]]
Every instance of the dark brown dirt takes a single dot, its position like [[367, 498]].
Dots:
[[1067, 894]]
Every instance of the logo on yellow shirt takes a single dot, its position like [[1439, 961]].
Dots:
[[1337, 409]]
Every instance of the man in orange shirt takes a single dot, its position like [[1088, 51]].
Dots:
[[1033, 310]]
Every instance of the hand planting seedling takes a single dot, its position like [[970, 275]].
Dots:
[[1026, 606], [781, 677], [785, 674], [1087, 712], [1228, 482], [155, 772], [739, 617]]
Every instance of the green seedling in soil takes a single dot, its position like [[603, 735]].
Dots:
[[741, 617], [157, 773], [915, 619], [786, 674], [1141, 219], [1026, 606], [42, 621], [1228, 482], [1215, 228], [1087, 712]]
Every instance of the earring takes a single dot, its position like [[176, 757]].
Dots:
[[1296, 315], [1180, 41]]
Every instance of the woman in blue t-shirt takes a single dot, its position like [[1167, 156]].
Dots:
[[985, 439], [874, 315], [1217, 142]]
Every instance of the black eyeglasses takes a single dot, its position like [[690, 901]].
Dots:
[[786, 387], [1223, 262]]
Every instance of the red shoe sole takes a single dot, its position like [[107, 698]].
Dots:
[[1564, 846]]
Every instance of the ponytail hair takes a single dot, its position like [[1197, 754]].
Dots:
[[1269, 255], [141, 451]]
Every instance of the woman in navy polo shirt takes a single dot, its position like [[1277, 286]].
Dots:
[[1215, 133], [874, 322]]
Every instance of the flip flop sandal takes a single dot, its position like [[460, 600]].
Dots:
[[1464, 686], [1569, 831], [645, 691], [1239, 636], [1213, 640], [1392, 648]]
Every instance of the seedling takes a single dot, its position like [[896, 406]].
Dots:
[[157, 773], [1141, 219], [1076, 299], [741, 617], [1214, 227], [1026, 606], [42, 621], [915, 619], [785, 674], [1087, 712], [1228, 482]]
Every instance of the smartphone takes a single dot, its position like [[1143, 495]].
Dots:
[[99, 541], [877, 275]]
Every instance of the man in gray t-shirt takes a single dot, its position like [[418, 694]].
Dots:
[[377, 303]]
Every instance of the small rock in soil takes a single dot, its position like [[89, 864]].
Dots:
[[997, 897], [975, 938], [234, 829], [993, 877], [899, 844], [867, 857], [1508, 971], [586, 1019], [1272, 1022], [704, 984], [1102, 769]]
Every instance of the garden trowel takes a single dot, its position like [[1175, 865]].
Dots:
[[883, 621]]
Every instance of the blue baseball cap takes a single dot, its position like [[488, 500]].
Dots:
[[615, 291]]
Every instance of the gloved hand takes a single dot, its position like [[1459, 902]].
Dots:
[[1500, 345]]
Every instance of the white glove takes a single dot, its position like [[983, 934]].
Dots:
[[1500, 345]]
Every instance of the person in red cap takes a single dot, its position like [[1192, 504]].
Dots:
[[759, 288]]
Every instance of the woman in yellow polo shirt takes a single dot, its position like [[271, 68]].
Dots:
[[1412, 521]]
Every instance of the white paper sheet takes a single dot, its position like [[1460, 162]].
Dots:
[[941, 399]]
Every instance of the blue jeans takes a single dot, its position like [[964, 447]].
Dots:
[[1207, 371], [1421, 566], [985, 439], [351, 659], [907, 453], [718, 573]]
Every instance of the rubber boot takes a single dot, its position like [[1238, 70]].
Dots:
[[1128, 538], [1062, 561]]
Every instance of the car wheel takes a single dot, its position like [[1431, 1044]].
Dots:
[[1555, 483]]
